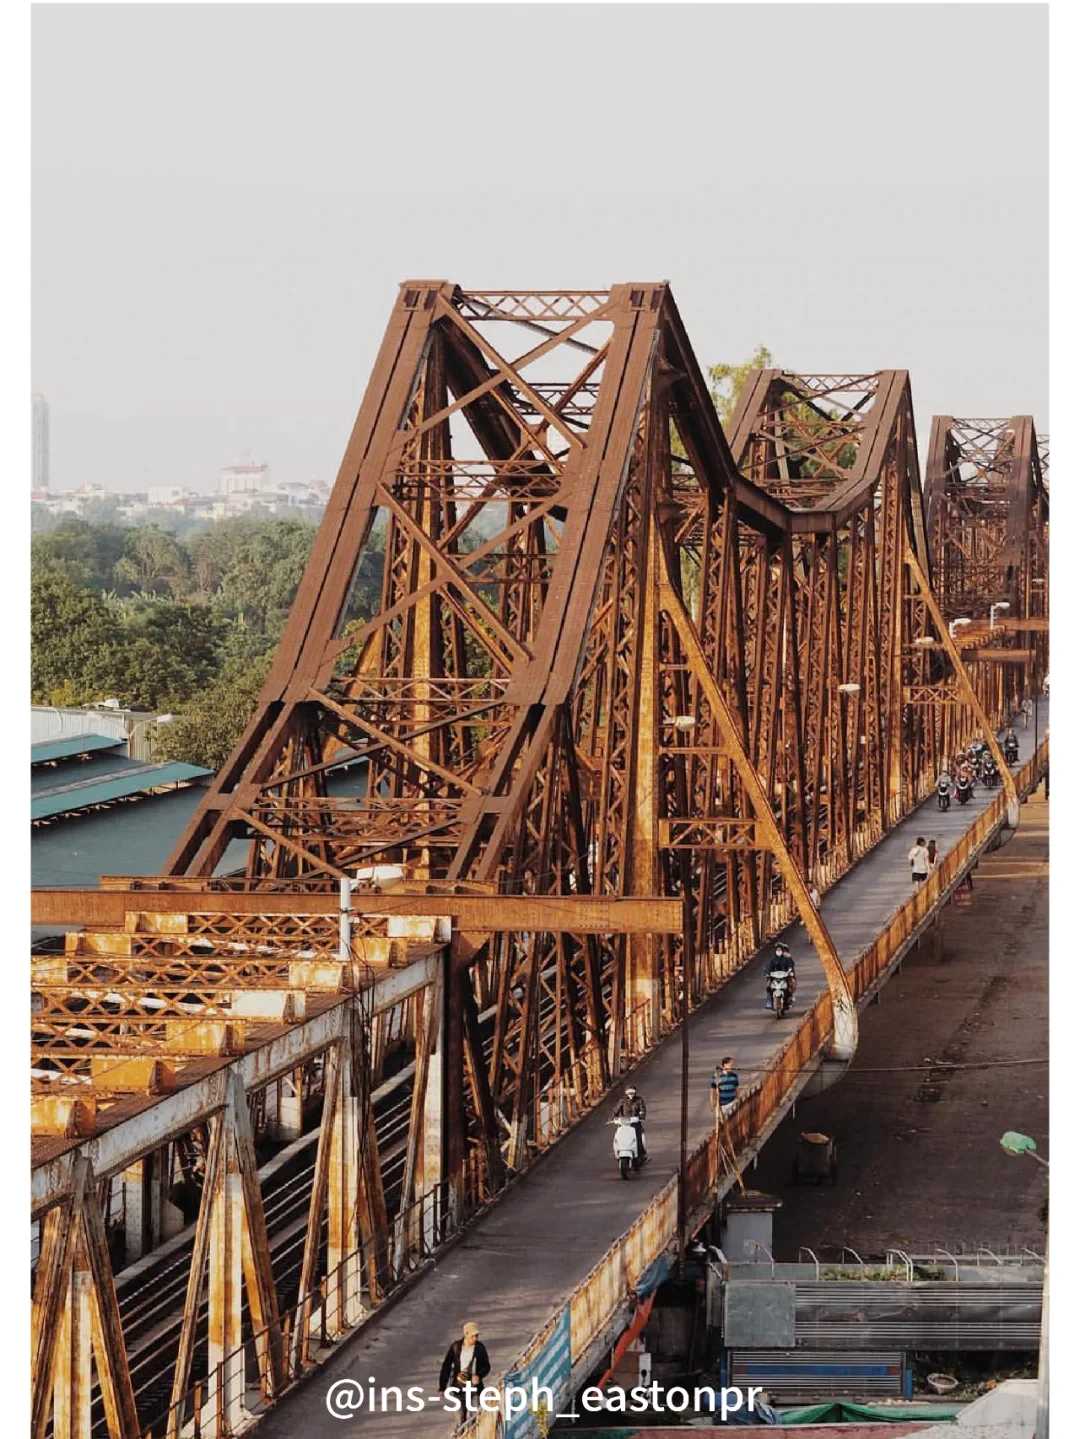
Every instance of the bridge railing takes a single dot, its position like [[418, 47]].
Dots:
[[596, 1300], [229, 1397]]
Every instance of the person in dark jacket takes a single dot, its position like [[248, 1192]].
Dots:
[[466, 1363], [632, 1107]]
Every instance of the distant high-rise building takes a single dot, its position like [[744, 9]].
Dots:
[[246, 479], [40, 476]]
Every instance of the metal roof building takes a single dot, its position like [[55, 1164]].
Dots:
[[95, 811]]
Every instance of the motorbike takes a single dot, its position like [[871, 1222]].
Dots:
[[943, 797], [778, 984], [963, 791], [626, 1146], [1012, 752]]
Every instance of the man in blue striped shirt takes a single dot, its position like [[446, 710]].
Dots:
[[725, 1082]]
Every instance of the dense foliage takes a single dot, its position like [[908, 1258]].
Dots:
[[139, 616], [187, 621]]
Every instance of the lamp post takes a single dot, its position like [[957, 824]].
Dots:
[[1021, 1144], [684, 1101], [1000, 605], [684, 725], [954, 625]]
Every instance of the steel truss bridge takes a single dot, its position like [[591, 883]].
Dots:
[[630, 690]]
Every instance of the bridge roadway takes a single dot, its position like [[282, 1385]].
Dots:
[[511, 1271]]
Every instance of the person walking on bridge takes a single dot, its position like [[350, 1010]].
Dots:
[[466, 1364], [724, 1084], [919, 859]]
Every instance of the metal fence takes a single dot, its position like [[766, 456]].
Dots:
[[597, 1299], [236, 1386]]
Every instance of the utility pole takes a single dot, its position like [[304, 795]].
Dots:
[[685, 1100]]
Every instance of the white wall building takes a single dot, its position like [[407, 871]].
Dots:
[[245, 479]]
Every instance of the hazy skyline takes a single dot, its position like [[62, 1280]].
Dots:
[[226, 197]]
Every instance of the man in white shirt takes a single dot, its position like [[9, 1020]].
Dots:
[[919, 859]]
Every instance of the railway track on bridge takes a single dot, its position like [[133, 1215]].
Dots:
[[634, 689]]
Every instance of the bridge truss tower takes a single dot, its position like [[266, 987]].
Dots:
[[565, 667], [988, 520], [603, 662]]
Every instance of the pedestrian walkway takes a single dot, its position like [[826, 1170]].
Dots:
[[513, 1269]]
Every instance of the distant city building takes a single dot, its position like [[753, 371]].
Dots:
[[245, 479], [40, 476], [244, 490]]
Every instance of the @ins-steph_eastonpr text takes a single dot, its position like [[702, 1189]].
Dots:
[[349, 1398]]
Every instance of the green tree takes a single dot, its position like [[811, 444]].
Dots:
[[162, 652], [154, 562], [725, 381], [68, 627], [264, 566], [207, 728], [85, 553]]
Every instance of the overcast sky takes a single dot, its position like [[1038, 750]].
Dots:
[[226, 197]]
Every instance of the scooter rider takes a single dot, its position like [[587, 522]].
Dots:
[[632, 1107], [965, 782], [1011, 746], [944, 789], [781, 960]]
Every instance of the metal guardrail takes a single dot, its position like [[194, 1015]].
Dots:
[[218, 1405], [594, 1303]]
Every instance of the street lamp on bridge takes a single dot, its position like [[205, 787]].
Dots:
[[1001, 605], [954, 625]]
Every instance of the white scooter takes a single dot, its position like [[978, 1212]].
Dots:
[[626, 1146], [779, 986]]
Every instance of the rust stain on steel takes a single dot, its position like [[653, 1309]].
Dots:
[[587, 914], [631, 689]]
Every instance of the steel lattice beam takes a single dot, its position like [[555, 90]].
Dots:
[[626, 694]]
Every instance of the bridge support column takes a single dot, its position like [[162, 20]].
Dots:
[[71, 1386], [935, 941], [343, 1301], [432, 1167], [225, 1358], [139, 1226], [288, 1122], [643, 950], [149, 1216]]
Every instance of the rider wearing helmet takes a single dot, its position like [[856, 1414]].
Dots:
[[782, 960], [632, 1107]]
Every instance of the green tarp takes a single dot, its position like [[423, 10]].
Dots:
[[84, 794], [841, 1411], [48, 750]]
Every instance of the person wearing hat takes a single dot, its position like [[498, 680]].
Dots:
[[466, 1363]]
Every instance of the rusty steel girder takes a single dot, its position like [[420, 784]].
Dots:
[[555, 676], [988, 513], [884, 696], [626, 693]]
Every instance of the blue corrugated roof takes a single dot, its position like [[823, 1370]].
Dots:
[[106, 764], [83, 794], [71, 745]]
